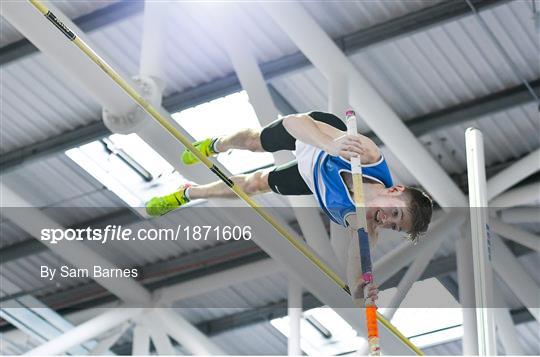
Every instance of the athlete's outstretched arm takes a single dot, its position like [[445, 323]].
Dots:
[[332, 140]]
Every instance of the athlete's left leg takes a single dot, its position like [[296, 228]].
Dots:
[[252, 184], [284, 180]]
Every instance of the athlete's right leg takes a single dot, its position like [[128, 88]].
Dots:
[[273, 137]]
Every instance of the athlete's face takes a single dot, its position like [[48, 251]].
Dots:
[[389, 210]]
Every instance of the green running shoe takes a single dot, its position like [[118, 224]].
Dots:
[[158, 206], [206, 147]]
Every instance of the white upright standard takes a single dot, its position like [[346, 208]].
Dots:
[[481, 245]]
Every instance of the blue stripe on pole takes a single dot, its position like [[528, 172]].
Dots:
[[365, 254]]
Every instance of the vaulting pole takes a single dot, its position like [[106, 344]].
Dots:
[[156, 115], [481, 243], [360, 244]]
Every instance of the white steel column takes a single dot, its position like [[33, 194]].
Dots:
[[515, 234], [515, 276], [86, 331], [368, 104], [186, 334], [464, 262], [520, 215], [159, 337], [252, 80], [108, 340], [513, 174], [338, 95], [415, 270], [294, 309], [339, 240], [506, 330], [153, 46], [394, 260], [338, 104], [521, 196], [313, 230], [481, 243], [140, 346], [405, 253]]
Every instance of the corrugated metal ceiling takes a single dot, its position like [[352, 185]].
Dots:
[[417, 74]]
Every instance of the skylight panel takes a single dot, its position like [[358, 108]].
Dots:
[[225, 116], [129, 167], [135, 172], [423, 326], [329, 335]]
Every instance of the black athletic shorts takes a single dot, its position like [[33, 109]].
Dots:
[[286, 179]]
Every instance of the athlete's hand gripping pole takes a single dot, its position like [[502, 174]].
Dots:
[[363, 243]]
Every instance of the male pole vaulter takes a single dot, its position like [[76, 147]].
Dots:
[[322, 167]]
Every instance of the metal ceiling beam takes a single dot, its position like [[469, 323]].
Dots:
[[209, 261], [154, 276], [401, 26], [87, 23], [126, 216], [279, 309], [404, 25], [477, 108], [65, 141], [454, 115], [442, 267], [273, 311], [255, 315]]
